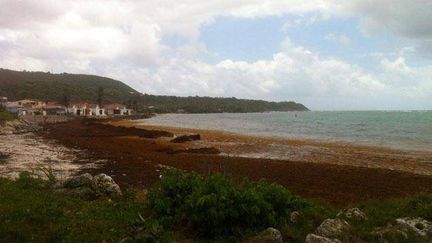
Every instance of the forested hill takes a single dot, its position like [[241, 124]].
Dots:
[[87, 88], [53, 87], [167, 104]]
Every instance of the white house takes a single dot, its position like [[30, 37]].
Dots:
[[84, 109], [26, 107], [54, 108], [117, 109], [3, 101]]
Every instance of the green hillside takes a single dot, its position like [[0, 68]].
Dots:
[[85, 88], [52, 87], [166, 104]]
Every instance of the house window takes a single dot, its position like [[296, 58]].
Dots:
[[100, 112]]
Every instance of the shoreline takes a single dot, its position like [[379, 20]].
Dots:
[[354, 139], [29, 152], [135, 158], [302, 150]]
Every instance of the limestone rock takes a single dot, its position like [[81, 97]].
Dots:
[[84, 180], [270, 235], [352, 214], [312, 238], [332, 228], [103, 183], [88, 187], [390, 233], [420, 226]]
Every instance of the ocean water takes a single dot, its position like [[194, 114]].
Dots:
[[394, 129]]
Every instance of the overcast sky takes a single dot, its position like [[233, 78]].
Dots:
[[328, 55]]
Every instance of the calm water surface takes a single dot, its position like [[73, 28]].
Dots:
[[395, 129]]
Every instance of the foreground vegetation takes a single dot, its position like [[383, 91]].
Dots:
[[6, 116], [183, 206], [66, 88]]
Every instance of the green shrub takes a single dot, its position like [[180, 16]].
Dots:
[[169, 198], [216, 206], [6, 116]]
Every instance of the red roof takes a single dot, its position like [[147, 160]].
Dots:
[[114, 106], [54, 105], [86, 105]]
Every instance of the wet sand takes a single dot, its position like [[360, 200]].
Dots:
[[137, 160]]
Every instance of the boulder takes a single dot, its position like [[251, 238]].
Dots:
[[352, 214], [312, 238], [389, 233], [186, 138], [270, 235], [402, 228], [420, 226], [84, 180], [18, 126], [333, 228], [104, 184], [88, 187]]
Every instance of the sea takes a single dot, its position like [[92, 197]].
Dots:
[[405, 130]]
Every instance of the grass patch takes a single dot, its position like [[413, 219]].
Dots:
[[7, 116], [31, 212], [183, 206]]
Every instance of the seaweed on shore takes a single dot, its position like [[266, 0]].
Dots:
[[4, 157]]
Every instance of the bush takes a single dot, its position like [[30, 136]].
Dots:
[[218, 207], [6, 116]]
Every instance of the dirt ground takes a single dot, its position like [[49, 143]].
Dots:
[[135, 157]]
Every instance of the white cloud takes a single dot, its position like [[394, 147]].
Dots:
[[304, 21], [339, 39], [295, 73], [122, 39], [397, 66], [409, 19]]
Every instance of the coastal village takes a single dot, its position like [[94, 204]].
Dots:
[[31, 107]]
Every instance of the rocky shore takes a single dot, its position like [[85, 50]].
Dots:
[[18, 126], [21, 149]]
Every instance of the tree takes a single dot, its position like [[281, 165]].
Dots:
[[65, 100], [100, 95]]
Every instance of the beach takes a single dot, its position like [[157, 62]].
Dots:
[[339, 174], [302, 150], [30, 152]]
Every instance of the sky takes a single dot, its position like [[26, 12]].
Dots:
[[328, 55]]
